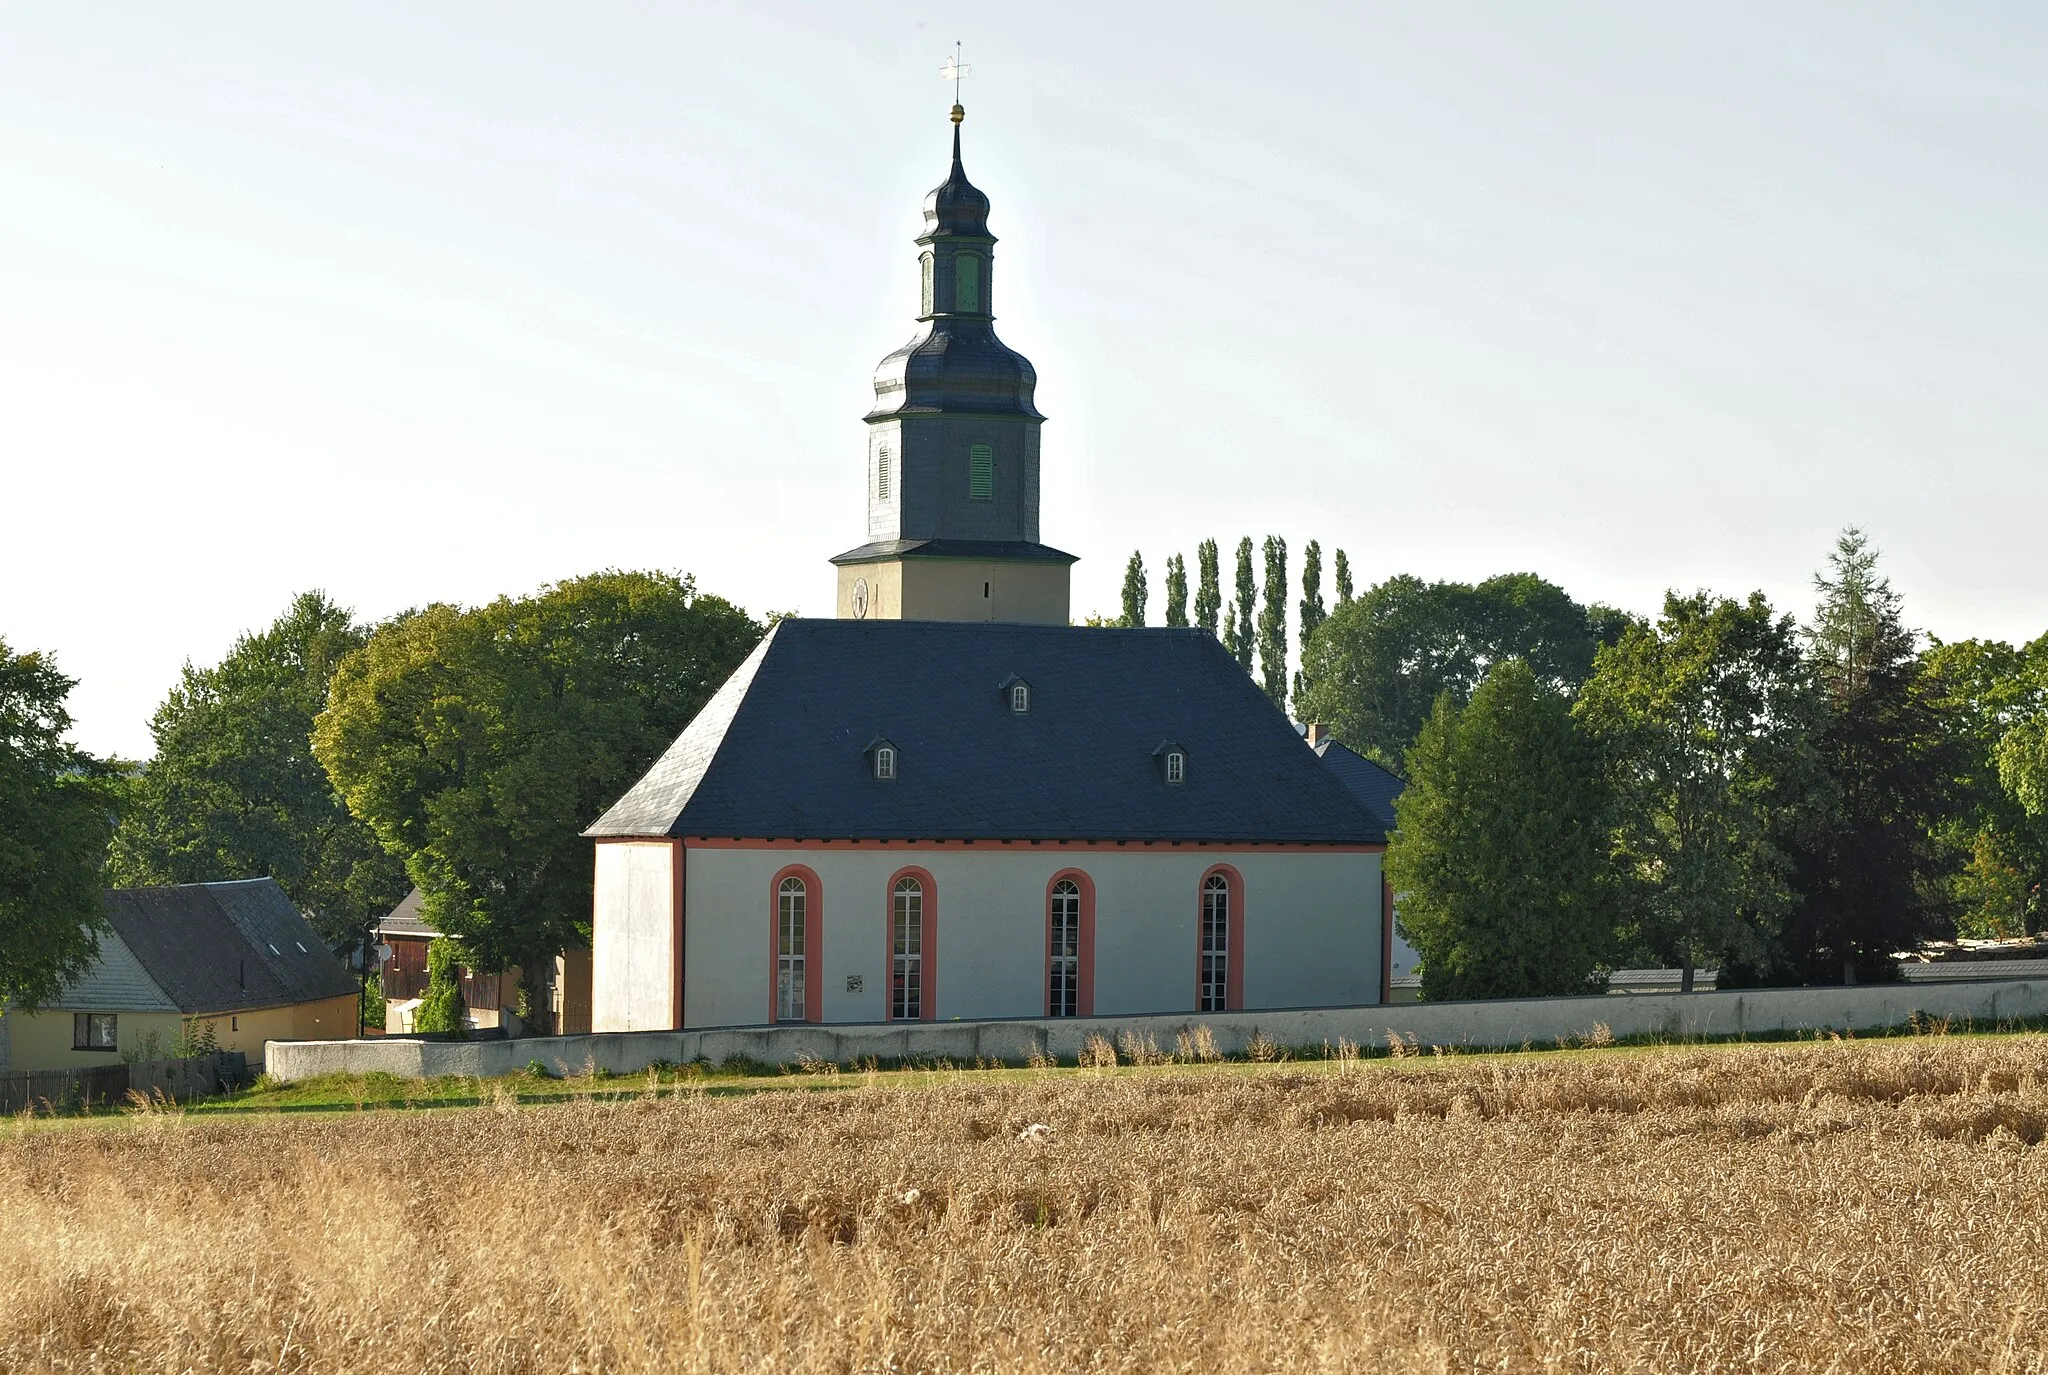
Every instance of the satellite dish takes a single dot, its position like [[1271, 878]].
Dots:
[[383, 952]]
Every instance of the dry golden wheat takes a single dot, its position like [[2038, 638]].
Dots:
[[1795, 1208]]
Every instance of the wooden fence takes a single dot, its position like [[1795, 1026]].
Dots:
[[75, 1090]]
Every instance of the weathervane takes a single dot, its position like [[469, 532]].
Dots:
[[953, 71]]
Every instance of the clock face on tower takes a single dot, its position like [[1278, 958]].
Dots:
[[860, 599]]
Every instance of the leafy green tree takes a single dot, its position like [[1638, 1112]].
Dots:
[[1176, 590], [1343, 579], [1273, 623], [1311, 612], [1237, 632], [1501, 852], [1376, 666], [235, 792], [58, 808], [1704, 717], [1134, 591], [478, 744], [2009, 853], [441, 1008], [1869, 867], [1208, 587]]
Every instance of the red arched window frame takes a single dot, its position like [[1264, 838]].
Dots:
[[814, 936], [1084, 993], [928, 962], [1233, 972]]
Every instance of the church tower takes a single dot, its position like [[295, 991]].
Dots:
[[952, 468]]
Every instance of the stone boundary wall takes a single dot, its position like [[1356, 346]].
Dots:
[[1469, 1025]]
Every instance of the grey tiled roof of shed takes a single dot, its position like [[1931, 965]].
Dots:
[[226, 947], [779, 751], [1371, 784]]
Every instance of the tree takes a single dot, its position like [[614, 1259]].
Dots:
[[1176, 590], [235, 792], [1981, 690], [1273, 623], [1237, 633], [1501, 854], [1869, 868], [441, 1008], [1343, 579], [1134, 591], [477, 744], [58, 807], [1704, 718], [1378, 663], [1311, 611], [1208, 588]]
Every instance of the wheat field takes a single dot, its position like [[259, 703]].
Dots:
[[1831, 1207]]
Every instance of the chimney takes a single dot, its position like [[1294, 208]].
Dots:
[[1317, 732]]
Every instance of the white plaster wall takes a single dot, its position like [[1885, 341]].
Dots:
[[632, 945], [1312, 935]]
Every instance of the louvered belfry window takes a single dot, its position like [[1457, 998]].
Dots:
[[882, 476], [981, 473], [967, 283]]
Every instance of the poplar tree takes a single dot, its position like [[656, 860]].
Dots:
[[1209, 589], [1176, 590], [1312, 610], [1237, 636], [1134, 591], [1343, 579], [1273, 623]]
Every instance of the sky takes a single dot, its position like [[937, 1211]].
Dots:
[[437, 302]]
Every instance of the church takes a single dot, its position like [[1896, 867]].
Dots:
[[949, 802]]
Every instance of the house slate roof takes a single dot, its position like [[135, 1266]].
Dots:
[[226, 947], [116, 982], [1371, 784], [405, 919], [779, 750]]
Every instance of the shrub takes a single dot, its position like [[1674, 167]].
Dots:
[[441, 1005]]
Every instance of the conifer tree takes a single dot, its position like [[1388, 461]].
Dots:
[[1209, 587], [1501, 855], [1867, 866], [1176, 590], [1134, 591], [1343, 579], [1237, 637], [1273, 623]]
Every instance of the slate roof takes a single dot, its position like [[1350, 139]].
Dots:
[[405, 919], [226, 947], [977, 550], [778, 752], [1371, 784]]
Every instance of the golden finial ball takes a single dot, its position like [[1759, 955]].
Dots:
[[959, 113]]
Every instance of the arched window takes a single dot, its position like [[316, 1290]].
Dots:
[[791, 904], [1063, 979], [885, 762], [906, 950], [926, 263], [1213, 991], [1020, 697], [967, 283], [1176, 767]]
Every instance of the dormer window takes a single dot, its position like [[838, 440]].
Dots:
[[1173, 763], [885, 762], [1017, 695]]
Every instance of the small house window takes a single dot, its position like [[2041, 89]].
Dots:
[[1020, 697], [967, 283], [94, 1031], [885, 761], [1176, 767], [981, 473], [882, 475]]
